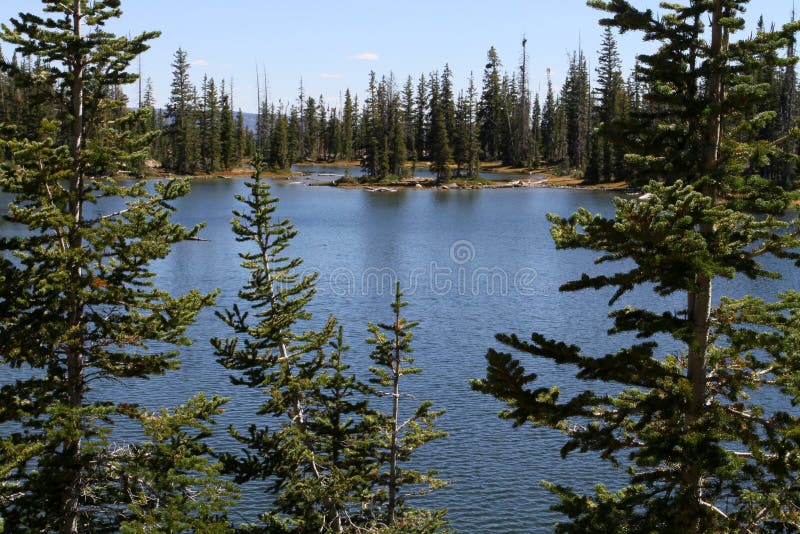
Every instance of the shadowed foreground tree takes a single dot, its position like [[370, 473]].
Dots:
[[706, 451], [78, 306]]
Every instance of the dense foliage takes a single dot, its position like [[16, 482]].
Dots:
[[333, 460], [701, 452], [78, 307]]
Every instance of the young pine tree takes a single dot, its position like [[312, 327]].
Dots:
[[702, 454], [403, 435], [319, 440]]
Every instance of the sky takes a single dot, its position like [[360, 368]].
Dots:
[[332, 46]]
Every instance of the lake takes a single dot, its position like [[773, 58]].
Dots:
[[472, 263]]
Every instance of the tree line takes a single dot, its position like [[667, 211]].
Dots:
[[80, 309], [422, 121]]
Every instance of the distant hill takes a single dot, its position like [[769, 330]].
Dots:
[[249, 120]]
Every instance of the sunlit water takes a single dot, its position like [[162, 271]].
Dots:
[[472, 264]]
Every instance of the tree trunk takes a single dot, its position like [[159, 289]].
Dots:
[[75, 363], [390, 512], [699, 300]]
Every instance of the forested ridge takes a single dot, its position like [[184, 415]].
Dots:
[[706, 125]]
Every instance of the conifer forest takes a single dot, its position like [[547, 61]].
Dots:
[[691, 415]]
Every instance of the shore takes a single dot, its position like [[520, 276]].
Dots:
[[542, 176]]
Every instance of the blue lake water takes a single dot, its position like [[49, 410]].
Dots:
[[472, 263]]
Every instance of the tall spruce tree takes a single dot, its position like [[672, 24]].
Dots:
[[548, 124], [702, 454], [348, 127], [227, 131], [183, 137], [439, 141], [209, 126], [490, 112], [608, 105], [79, 307]]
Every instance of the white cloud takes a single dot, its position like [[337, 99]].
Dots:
[[200, 63], [366, 56], [329, 75]]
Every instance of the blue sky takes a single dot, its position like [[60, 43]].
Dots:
[[334, 45]]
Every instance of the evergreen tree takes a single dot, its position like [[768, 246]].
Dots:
[[227, 131], [701, 453], [608, 108], [370, 130], [447, 101], [576, 101], [509, 138], [408, 120], [348, 127], [548, 123], [420, 120], [397, 152], [392, 362], [439, 142], [536, 131], [241, 137], [333, 136], [465, 138], [522, 112], [279, 145], [79, 307], [311, 128], [173, 485], [210, 126], [320, 457], [490, 113], [183, 137], [294, 133]]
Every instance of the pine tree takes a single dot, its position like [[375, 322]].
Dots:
[[420, 120], [490, 113], [408, 120], [227, 131], [439, 141], [536, 131], [279, 145], [465, 138], [397, 152], [241, 137], [447, 100], [182, 134], [701, 454], [392, 362], [174, 486], [370, 161], [318, 452], [348, 127], [548, 124], [576, 101], [79, 307], [210, 126], [609, 99]]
